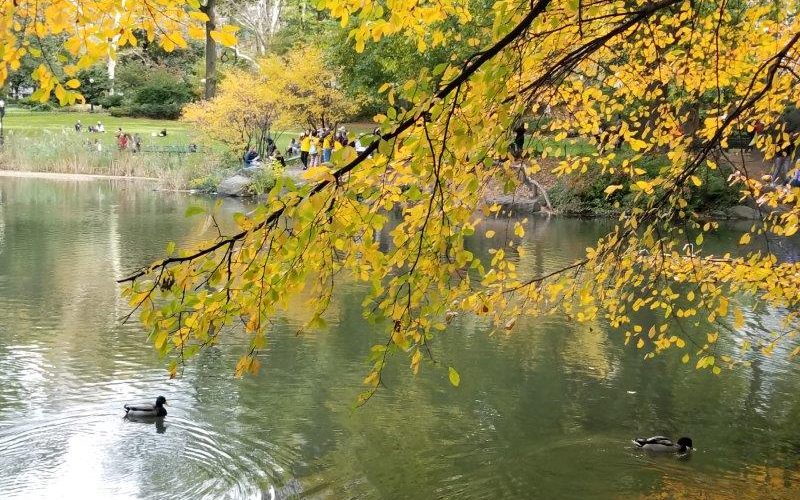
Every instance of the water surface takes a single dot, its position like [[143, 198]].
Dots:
[[546, 412]]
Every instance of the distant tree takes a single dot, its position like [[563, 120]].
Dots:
[[309, 89], [94, 84], [242, 112]]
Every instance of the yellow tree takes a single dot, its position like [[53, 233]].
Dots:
[[309, 95], [286, 92], [242, 113], [646, 67]]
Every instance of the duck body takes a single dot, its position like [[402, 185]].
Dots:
[[141, 410], [662, 444]]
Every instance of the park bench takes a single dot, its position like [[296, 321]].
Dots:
[[170, 149]]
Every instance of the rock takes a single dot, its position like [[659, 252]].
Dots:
[[234, 186], [743, 212], [718, 214]]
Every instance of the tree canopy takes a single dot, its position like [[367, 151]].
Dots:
[[674, 78], [91, 31], [283, 92]]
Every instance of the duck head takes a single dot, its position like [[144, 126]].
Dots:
[[685, 444], [161, 401]]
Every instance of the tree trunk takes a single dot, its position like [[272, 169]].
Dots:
[[210, 10]]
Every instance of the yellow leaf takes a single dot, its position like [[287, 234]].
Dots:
[[455, 378], [73, 83], [224, 38], [490, 234], [640, 344], [738, 318], [696, 180], [722, 308], [745, 239], [685, 359]]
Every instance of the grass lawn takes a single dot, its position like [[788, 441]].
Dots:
[[32, 123], [36, 123]]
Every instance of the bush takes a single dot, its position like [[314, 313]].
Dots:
[[120, 111], [164, 89], [168, 111], [204, 184], [265, 178], [36, 105], [111, 101]]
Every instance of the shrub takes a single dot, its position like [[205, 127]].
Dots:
[[36, 105], [160, 90], [265, 178], [167, 111], [120, 111], [111, 101]]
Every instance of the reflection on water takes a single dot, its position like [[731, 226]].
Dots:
[[545, 412]]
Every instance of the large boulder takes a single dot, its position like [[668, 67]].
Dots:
[[234, 186], [743, 212]]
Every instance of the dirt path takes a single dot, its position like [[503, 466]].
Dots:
[[71, 177]]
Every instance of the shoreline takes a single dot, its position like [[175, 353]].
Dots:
[[71, 177]]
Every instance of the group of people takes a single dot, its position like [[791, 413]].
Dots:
[[127, 141], [784, 163], [316, 147], [252, 159], [99, 128]]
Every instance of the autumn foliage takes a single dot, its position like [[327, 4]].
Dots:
[[92, 31], [672, 78], [283, 93]]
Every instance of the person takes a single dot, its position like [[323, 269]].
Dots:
[[163, 133], [122, 140], [327, 147], [305, 147], [193, 148], [290, 151], [314, 150], [795, 182], [98, 145], [519, 140], [360, 148], [137, 143], [784, 159], [78, 126], [271, 147], [100, 127], [251, 158]]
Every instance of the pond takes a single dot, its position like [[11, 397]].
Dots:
[[545, 412]]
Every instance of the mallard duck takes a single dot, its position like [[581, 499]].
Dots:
[[661, 444], [147, 410]]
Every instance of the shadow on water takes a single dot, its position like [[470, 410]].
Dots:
[[544, 412]]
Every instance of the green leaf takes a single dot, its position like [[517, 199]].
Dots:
[[455, 378], [194, 210]]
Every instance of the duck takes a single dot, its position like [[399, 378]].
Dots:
[[661, 444], [147, 410]]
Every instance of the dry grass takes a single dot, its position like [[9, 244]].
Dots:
[[77, 154]]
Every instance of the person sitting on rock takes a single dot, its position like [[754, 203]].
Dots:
[[251, 158]]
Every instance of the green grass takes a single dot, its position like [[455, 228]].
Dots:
[[37, 123], [50, 123]]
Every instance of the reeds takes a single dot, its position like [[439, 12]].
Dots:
[[68, 152]]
